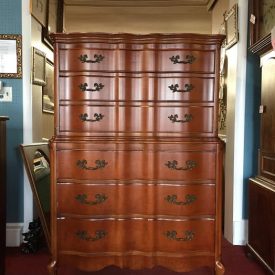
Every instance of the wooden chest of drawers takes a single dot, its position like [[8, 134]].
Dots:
[[136, 162]]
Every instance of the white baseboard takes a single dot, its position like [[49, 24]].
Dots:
[[240, 232], [14, 234]]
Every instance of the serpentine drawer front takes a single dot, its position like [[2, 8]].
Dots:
[[144, 235], [136, 197], [136, 161], [136, 120], [101, 60], [126, 87], [143, 165]]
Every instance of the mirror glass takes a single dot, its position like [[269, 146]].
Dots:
[[37, 163], [41, 169]]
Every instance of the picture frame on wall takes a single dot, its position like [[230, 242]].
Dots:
[[38, 10], [231, 26], [261, 21], [10, 56], [48, 89], [54, 21], [39, 67]]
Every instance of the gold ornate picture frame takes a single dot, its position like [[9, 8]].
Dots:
[[39, 67], [10, 56], [231, 26]]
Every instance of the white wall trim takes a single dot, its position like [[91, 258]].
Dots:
[[27, 104], [14, 234], [240, 232]]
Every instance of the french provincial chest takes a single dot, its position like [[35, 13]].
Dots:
[[135, 160]]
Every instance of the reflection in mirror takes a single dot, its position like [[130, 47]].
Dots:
[[37, 165], [41, 168]]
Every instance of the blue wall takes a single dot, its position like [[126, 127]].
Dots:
[[11, 23]]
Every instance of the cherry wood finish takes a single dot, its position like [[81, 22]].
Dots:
[[136, 162], [261, 238], [3, 184], [82, 198], [125, 87]]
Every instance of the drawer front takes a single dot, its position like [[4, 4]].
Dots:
[[136, 120], [94, 87], [87, 60], [140, 165], [123, 235], [172, 60], [187, 89], [87, 88], [186, 61], [127, 199]]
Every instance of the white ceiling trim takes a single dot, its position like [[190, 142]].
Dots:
[[139, 3]]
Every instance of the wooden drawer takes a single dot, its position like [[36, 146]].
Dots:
[[137, 88], [135, 60], [136, 120], [135, 198], [139, 164], [121, 235], [185, 61], [87, 60]]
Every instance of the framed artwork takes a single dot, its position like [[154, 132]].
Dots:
[[38, 10], [231, 26], [54, 20], [39, 67], [261, 21], [48, 89], [10, 56]]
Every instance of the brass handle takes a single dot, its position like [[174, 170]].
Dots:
[[99, 198], [190, 165], [187, 88], [172, 235], [83, 235], [82, 164], [174, 118], [189, 59], [189, 198], [97, 58], [98, 87], [84, 117]]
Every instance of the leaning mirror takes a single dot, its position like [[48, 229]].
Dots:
[[37, 165]]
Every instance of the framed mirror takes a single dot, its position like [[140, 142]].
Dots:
[[37, 164], [10, 56]]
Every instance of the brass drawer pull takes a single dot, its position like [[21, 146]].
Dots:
[[82, 164], [99, 198], [187, 88], [172, 235], [189, 59], [174, 118], [98, 117], [98, 87], [190, 164], [97, 58], [189, 198], [83, 235]]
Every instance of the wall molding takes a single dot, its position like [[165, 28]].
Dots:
[[14, 234], [240, 232]]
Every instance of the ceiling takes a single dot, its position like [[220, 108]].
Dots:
[[208, 4]]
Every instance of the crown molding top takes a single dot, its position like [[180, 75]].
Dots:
[[139, 3]]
